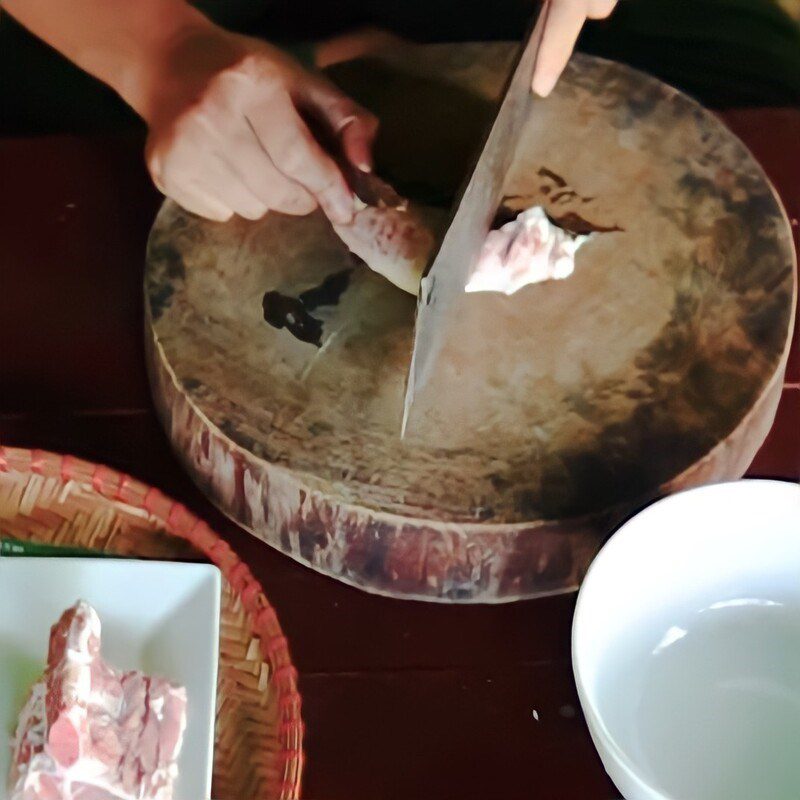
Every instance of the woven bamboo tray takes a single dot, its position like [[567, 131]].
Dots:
[[53, 499]]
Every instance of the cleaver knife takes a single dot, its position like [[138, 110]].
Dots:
[[451, 266]]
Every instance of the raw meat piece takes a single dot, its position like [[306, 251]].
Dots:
[[88, 732], [396, 240], [529, 249], [387, 232]]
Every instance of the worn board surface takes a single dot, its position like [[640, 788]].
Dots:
[[656, 365]]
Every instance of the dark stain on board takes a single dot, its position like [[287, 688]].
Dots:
[[571, 222], [578, 226], [294, 313], [558, 192], [504, 215], [282, 311], [548, 173], [328, 292]]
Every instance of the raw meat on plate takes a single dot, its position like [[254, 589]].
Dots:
[[90, 732]]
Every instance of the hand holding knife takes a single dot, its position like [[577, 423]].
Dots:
[[563, 24]]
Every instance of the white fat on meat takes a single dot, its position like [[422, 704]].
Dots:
[[90, 732], [529, 249]]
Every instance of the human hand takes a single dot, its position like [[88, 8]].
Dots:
[[563, 20], [227, 132]]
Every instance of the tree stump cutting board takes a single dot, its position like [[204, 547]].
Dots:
[[656, 366]]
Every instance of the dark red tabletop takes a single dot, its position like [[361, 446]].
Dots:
[[402, 700]]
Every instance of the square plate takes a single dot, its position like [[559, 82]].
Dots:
[[159, 617]]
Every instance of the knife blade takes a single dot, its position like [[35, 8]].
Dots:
[[452, 265]]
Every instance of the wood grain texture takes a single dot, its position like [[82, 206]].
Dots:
[[657, 366]]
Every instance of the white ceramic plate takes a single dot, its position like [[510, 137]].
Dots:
[[160, 617], [686, 646]]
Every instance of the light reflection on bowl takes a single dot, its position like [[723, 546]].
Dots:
[[686, 646]]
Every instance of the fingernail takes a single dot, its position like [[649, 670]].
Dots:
[[544, 84], [365, 166]]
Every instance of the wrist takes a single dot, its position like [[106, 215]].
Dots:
[[152, 72]]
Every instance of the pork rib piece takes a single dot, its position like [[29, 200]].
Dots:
[[393, 237], [89, 732]]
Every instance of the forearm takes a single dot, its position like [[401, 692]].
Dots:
[[125, 44]]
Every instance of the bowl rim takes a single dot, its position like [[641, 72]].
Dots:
[[602, 736]]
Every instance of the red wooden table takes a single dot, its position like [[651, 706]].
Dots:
[[402, 700]]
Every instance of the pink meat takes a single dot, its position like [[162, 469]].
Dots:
[[89, 732], [528, 249], [387, 232]]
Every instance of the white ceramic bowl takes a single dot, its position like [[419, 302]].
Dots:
[[161, 617], [686, 646]]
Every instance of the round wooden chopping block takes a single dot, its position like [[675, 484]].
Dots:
[[656, 366]]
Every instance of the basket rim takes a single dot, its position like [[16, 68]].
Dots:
[[180, 522]]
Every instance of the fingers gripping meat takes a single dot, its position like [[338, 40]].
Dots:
[[388, 233]]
